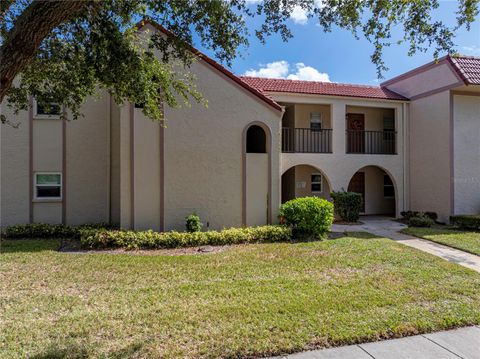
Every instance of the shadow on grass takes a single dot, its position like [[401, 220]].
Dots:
[[75, 351], [361, 235], [28, 245]]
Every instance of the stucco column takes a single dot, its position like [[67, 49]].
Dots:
[[338, 126]]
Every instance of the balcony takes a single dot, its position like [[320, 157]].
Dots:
[[306, 140], [371, 142]]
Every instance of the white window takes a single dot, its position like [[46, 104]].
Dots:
[[48, 185], [50, 110], [316, 182], [315, 121]]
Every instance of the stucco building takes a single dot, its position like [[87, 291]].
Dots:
[[411, 143]]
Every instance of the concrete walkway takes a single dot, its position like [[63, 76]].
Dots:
[[386, 227], [452, 344]]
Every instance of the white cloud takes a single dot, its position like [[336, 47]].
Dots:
[[282, 70], [308, 73], [471, 50], [299, 15]]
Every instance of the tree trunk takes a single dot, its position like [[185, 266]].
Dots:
[[30, 28]]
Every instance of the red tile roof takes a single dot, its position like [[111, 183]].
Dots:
[[467, 67], [216, 65], [321, 88]]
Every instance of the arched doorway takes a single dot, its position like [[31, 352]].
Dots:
[[377, 188], [304, 181]]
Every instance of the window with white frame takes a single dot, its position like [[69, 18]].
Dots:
[[46, 110], [316, 182], [315, 121], [388, 188], [48, 185]]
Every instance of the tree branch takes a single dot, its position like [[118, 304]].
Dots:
[[30, 28]]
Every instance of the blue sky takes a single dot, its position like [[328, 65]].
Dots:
[[338, 56]]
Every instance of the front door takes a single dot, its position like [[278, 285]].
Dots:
[[356, 135], [357, 184]]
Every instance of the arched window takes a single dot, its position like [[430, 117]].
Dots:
[[256, 140]]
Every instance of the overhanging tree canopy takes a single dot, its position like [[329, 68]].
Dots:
[[63, 51]]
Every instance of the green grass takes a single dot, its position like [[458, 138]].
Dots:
[[467, 241], [245, 301]]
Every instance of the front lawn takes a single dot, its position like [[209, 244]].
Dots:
[[465, 240], [244, 301]]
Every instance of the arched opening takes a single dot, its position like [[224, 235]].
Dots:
[[377, 188], [256, 140], [304, 181]]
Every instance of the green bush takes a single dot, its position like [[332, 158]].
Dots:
[[193, 224], [409, 214], [44, 230], [466, 221], [308, 216], [152, 240], [420, 221], [347, 205]]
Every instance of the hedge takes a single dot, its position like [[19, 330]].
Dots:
[[347, 205], [44, 230], [466, 221], [156, 240], [421, 220]]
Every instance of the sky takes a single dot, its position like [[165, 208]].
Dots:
[[338, 56]]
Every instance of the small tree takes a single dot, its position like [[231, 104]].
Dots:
[[347, 205], [193, 224]]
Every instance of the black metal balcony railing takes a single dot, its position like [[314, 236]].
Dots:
[[371, 142], [306, 140]]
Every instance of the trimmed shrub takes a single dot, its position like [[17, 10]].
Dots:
[[347, 205], [409, 214], [43, 230], [193, 224], [308, 216], [157, 240], [420, 221], [466, 221], [432, 215]]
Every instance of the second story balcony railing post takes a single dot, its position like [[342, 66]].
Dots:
[[371, 142], [306, 140]]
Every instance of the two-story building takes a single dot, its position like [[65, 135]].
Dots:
[[411, 143]]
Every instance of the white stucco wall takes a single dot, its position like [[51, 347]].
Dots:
[[466, 120]]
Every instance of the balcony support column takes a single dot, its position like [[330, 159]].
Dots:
[[339, 128]]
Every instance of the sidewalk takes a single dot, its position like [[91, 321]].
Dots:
[[385, 227], [458, 343]]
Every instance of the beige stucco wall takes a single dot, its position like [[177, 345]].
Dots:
[[47, 144], [466, 120], [257, 188], [302, 115], [203, 152], [87, 163], [373, 116], [147, 172], [303, 175], [375, 202], [430, 154], [114, 163], [14, 169]]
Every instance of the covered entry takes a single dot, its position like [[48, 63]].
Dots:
[[303, 181], [377, 189]]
